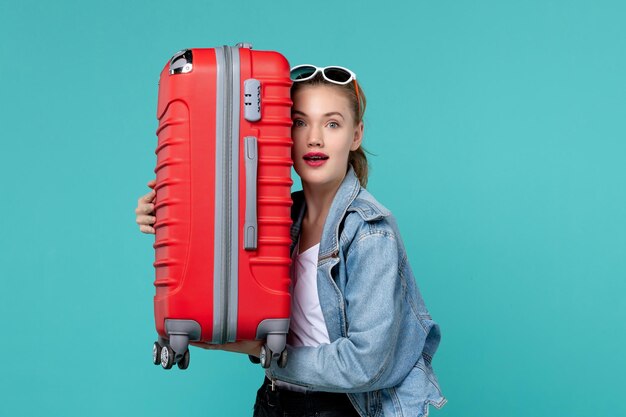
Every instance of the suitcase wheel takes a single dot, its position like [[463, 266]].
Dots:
[[167, 357], [183, 363], [282, 360], [265, 357], [156, 353]]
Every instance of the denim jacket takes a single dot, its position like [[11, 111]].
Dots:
[[382, 336]]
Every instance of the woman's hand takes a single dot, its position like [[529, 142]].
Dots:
[[250, 347], [145, 210]]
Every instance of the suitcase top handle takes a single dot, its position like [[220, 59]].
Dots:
[[181, 62]]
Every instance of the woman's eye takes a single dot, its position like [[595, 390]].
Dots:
[[298, 123], [333, 125]]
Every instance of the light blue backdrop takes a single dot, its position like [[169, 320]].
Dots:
[[499, 142]]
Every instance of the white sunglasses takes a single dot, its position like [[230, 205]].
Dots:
[[333, 74]]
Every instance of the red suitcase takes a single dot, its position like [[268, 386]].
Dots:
[[222, 202]]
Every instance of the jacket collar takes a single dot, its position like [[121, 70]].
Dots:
[[347, 192]]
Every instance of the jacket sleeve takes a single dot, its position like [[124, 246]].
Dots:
[[367, 359]]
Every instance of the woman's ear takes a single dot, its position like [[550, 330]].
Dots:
[[358, 137]]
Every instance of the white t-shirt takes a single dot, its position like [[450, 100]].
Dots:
[[307, 326]]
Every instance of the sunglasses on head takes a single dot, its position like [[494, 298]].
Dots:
[[333, 74]]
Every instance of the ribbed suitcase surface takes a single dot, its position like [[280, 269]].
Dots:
[[222, 200]]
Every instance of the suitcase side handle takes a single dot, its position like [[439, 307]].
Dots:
[[250, 225]]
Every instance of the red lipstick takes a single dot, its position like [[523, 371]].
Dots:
[[315, 159]]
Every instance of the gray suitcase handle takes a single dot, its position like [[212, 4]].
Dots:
[[251, 225]]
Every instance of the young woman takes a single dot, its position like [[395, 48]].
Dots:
[[361, 339]]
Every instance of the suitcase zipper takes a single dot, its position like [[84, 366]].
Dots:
[[228, 190], [225, 293]]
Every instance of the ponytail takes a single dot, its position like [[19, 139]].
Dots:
[[358, 160]]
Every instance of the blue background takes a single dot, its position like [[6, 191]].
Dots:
[[498, 136]]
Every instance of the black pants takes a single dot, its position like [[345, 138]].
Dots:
[[285, 403]]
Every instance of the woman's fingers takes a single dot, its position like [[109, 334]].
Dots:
[[146, 220], [205, 345], [144, 208], [146, 229], [250, 347], [147, 198]]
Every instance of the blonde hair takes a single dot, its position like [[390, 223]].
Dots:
[[356, 97]]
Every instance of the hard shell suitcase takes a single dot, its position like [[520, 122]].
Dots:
[[223, 181]]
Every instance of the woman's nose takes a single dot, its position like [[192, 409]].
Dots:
[[315, 138]]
